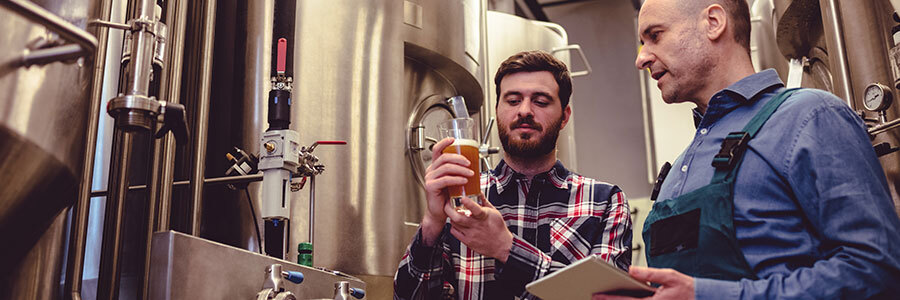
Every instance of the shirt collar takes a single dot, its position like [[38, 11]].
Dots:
[[745, 91], [504, 175]]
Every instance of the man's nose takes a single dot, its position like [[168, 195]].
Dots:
[[524, 109], [644, 59]]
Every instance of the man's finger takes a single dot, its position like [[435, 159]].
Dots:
[[661, 276], [459, 235], [438, 148], [448, 169], [448, 159], [484, 202], [478, 213]]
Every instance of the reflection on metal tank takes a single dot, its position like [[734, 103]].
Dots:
[[360, 69], [43, 115], [508, 35], [763, 47]]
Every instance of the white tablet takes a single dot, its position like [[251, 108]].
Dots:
[[586, 277]]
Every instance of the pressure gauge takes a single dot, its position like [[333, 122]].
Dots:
[[878, 97]]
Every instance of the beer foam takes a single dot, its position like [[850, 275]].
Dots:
[[466, 142]]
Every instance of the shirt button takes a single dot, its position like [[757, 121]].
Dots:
[[703, 131], [684, 168]]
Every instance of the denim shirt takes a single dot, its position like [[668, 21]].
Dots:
[[812, 211]]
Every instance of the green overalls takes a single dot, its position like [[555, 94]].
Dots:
[[694, 233]]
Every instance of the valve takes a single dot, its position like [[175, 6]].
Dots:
[[273, 288]]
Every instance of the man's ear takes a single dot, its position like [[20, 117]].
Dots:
[[567, 113], [716, 20]]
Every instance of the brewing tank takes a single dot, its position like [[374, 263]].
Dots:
[[361, 68], [43, 118]]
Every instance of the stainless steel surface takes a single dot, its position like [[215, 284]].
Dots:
[[198, 159], [187, 267], [81, 208], [37, 276], [43, 120], [837, 51], [53, 22], [763, 44], [508, 35]]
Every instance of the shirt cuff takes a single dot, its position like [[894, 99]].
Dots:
[[705, 288], [524, 264], [423, 257]]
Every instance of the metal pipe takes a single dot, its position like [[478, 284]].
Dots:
[[201, 123], [137, 82], [110, 268], [81, 208], [152, 212], [50, 55], [171, 91], [884, 127], [142, 42], [206, 181], [835, 41], [162, 167], [312, 208], [109, 24], [56, 24]]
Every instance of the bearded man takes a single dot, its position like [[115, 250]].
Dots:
[[537, 216]]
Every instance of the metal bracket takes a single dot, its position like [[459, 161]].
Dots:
[[86, 43], [584, 59]]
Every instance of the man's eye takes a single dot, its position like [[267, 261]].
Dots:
[[654, 36], [513, 101]]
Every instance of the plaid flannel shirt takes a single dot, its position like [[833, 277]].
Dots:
[[556, 218]]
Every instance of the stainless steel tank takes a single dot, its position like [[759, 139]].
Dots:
[[43, 118], [360, 70], [508, 35]]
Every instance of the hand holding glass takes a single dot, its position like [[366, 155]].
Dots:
[[462, 130]]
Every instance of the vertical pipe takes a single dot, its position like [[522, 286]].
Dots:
[[137, 82], [312, 208], [834, 33], [78, 237], [198, 158], [162, 178], [171, 90], [110, 259]]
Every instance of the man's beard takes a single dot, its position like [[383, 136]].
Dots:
[[531, 148]]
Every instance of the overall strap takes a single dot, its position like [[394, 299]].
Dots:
[[735, 143]]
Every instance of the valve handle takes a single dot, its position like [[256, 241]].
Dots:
[[281, 56], [174, 121], [357, 293], [293, 276]]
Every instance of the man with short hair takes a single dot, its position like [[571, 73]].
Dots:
[[537, 216], [779, 195]]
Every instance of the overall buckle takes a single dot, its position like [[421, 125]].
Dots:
[[732, 148]]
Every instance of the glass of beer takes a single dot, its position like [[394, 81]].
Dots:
[[462, 130]]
